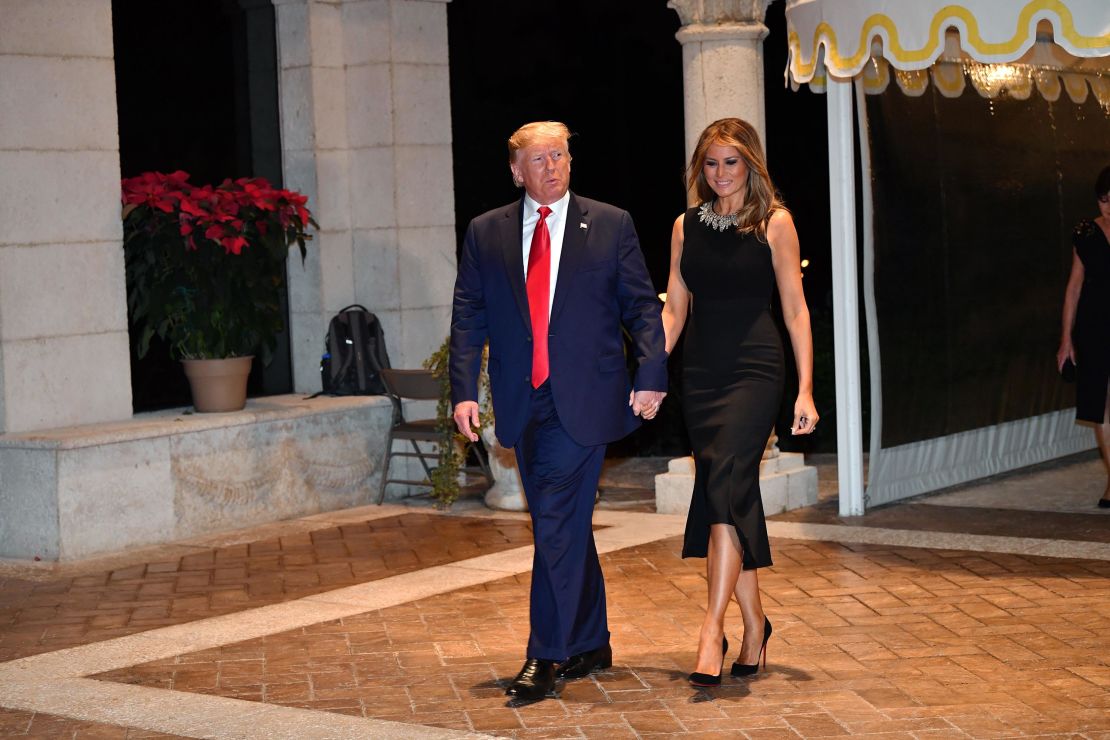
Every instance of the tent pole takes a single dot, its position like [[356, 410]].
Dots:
[[870, 312], [842, 208]]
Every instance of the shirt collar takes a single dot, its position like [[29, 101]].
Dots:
[[558, 208]]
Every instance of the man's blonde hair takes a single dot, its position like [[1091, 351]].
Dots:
[[530, 132]]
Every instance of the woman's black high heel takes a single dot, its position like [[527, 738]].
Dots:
[[702, 680], [743, 669]]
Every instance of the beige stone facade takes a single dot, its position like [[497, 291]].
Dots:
[[366, 134]]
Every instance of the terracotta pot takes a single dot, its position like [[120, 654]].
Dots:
[[218, 385]]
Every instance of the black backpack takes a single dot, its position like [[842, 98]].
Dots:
[[354, 354]]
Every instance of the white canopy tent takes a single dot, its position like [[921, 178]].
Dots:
[[1002, 47]]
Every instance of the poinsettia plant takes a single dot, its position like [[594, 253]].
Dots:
[[205, 264]]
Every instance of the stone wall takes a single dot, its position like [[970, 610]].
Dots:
[[163, 476], [64, 355], [366, 128], [366, 134]]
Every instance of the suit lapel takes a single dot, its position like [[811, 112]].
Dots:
[[575, 230], [513, 253]]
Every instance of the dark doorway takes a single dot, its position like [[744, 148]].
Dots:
[[196, 90]]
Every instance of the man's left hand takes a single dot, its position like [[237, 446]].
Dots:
[[646, 404]]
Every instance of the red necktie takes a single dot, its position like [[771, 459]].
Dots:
[[539, 295]]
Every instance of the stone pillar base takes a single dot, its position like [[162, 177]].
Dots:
[[785, 481], [507, 491], [80, 491]]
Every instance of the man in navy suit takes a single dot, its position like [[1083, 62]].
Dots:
[[549, 281]]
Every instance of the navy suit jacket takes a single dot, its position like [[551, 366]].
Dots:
[[602, 284]]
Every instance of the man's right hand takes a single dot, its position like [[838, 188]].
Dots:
[[466, 419]]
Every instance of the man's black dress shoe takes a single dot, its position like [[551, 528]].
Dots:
[[535, 680], [583, 664]]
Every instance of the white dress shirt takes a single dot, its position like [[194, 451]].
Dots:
[[556, 226]]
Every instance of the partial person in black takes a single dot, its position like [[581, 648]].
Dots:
[[1085, 333], [727, 255]]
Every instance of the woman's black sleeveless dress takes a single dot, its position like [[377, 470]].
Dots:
[[1091, 334], [732, 382]]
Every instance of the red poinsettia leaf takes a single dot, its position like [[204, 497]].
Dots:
[[192, 208], [233, 244]]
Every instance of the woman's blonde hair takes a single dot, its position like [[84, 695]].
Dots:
[[761, 200]]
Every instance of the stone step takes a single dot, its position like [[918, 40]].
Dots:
[[785, 483], [781, 463]]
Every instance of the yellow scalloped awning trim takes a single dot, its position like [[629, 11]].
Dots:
[[898, 55]]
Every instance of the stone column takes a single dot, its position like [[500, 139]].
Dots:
[[64, 357], [366, 127], [722, 62]]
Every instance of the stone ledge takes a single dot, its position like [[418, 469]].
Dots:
[[75, 492], [170, 422]]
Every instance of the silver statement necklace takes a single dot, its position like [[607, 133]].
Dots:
[[710, 218]]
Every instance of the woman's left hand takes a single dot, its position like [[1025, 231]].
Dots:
[[805, 415]]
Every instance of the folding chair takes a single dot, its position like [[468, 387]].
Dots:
[[417, 385]]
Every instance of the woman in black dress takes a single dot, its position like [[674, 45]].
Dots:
[[727, 255], [1085, 335]]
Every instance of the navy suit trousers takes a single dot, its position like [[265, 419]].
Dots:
[[560, 480]]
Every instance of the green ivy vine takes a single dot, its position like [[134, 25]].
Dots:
[[452, 447]]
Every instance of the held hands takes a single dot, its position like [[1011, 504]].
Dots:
[[466, 418], [805, 415], [645, 404]]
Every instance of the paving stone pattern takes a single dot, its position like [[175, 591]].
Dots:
[[32, 725], [878, 641], [37, 617]]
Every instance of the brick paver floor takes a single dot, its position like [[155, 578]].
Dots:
[[868, 640], [37, 725], [37, 616], [884, 641]]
